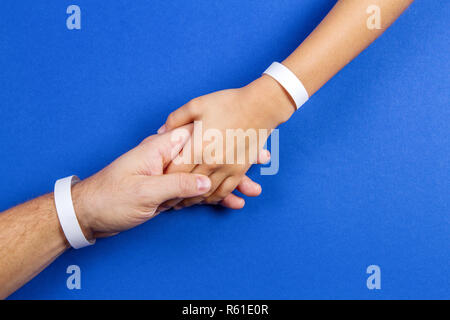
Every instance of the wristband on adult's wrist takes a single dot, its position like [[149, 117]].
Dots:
[[289, 81], [66, 213]]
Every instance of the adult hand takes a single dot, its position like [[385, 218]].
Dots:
[[128, 191]]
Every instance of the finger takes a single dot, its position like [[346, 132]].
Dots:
[[173, 169], [263, 157], [184, 161], [176, 185], [245, 186], [216, 180], [248, 187], [167, 205], [168, 146], [183, 115], [232, 201], [225, 188]]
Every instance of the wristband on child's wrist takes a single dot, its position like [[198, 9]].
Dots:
[[289, 81]]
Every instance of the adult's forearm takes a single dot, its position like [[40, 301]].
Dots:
[[30, 239]]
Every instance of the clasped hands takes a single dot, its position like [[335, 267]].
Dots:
[[155, 176]]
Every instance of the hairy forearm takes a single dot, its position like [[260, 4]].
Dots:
[[30, 239]]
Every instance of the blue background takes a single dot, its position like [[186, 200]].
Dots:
[[364, 166]]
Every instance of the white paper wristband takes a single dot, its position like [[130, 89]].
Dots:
[[289, 81], [66, 213]]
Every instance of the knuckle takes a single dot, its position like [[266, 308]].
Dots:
[[194, 201], [227, 188], [215, 166], [184, 204], [194, 106], [149, 214]]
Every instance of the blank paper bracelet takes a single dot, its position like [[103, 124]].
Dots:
[[66, 213], [289, 81]]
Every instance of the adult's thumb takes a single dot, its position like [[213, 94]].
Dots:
[[179, 185]]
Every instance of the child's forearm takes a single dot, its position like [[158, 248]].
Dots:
[[340, 37]]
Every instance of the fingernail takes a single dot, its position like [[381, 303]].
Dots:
[[162, 129], [203, 183]]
